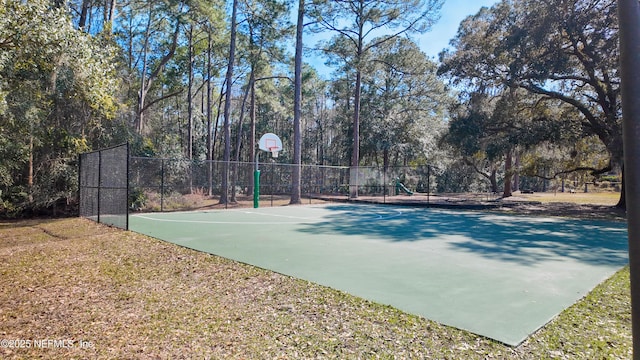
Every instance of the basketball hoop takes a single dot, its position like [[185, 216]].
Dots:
[[268, 142], [271, 143]]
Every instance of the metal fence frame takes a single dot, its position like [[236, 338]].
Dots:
[[154, 180], [164, 177], [103, 185], [112, 183]]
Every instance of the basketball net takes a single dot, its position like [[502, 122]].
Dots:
[[274, 152]]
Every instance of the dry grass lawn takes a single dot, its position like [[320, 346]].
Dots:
[[74, 289], [595, 198]]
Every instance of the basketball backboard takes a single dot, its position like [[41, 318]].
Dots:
[[270, 142]]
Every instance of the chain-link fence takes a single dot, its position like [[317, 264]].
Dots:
[[426, 183], [178, 184], [378, 181], [175, 184], [103, 186], [112, 183], [156, 184]]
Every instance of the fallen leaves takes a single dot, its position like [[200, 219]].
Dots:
[[131, 296]]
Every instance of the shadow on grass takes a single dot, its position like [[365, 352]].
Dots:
[[521, 239]]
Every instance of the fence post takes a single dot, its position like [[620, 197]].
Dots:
[[384, 184], [161, 185], [127, 191], [79, 184], [428, 183], [353, 182], [99, 181]]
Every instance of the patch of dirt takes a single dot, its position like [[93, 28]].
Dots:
[[580, 211], [522, 205], [513, 205]]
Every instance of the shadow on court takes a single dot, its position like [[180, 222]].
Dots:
[[495, 275], [519, 239]]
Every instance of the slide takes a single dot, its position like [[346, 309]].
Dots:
[[400, 186]]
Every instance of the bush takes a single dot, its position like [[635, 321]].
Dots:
[[137, 199]]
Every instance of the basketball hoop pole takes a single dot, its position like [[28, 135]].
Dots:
[[268, 142], [256, 183]]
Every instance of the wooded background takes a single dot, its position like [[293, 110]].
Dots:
[[527, 89]]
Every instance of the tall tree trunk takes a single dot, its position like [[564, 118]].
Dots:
[[190, 110], [622, 201], [227, 108], [112, 11], [147, 82], [82, 21], [209, 143], [252, 153], [239, 134], [130, 38], [355, 158], [216, 130], [493, 181], [320, 158], [385, 159], [142, 94], [296, 171], [190, 97], [516, 174], [629, 19], [508, 174]]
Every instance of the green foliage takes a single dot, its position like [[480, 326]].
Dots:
[[137, 199], [552, 160], [458, 178], [550, 71], [610, 178], [56, 91], [403, 103], [354, 45]]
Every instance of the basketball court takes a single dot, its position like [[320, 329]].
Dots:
[[499, 276]]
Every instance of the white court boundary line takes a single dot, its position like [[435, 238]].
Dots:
[[397, 213], [217, 222]]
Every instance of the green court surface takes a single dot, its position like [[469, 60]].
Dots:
[[499, 276]]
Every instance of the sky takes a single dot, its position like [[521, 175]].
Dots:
[[452, 13], [433, 42]]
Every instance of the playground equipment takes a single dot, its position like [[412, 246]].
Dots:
[[400, 187]]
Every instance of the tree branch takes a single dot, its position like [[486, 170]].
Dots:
[[164, 97], [593, 171], [475, 167], [274, 77], [165, 59]]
